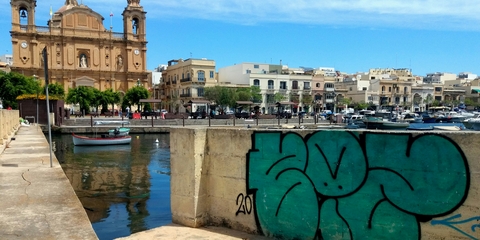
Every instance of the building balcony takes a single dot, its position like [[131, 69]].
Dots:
[[185, 80], [329, 89], [186, 95]]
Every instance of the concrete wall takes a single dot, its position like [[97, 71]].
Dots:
[[9, 123], [330, 184]]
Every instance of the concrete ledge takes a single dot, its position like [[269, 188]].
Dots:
[[174, 231]]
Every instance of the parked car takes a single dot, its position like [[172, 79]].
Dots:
[[242, 114]]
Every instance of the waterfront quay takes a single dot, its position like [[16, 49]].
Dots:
[[36, 198], [151, 125]]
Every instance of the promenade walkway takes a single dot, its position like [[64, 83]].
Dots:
[[36, 200]]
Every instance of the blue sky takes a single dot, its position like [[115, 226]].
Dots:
[[350, 35]]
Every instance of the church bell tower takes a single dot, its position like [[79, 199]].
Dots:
[[134, 27]]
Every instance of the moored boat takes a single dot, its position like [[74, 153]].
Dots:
[[447, 128], [100, 141], [119, 131]]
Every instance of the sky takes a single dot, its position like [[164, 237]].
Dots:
[[349, 35]]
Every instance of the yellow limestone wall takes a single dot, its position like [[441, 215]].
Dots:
[[9, 123], [335, 184]]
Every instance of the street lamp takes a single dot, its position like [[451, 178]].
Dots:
[[35, 79], [138, 82]]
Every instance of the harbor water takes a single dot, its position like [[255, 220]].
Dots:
[[124, 189]]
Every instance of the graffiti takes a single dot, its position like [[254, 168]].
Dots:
[[339, 184], [244, 204], [450, 223]]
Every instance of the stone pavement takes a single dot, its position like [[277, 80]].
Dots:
[[174, 231], [36, 200]]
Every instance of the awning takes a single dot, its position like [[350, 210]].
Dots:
[[285, 103], [475, 90], [244, 102], [150, 100], [200, 101]]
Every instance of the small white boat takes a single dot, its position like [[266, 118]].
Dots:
[[100, 141], [447, 128], [114, 137]]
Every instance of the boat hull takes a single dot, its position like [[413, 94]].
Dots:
[[100, 141]]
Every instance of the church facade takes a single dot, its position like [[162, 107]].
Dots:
[[80, 50]]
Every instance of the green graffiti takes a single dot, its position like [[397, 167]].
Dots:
[[338, 185]]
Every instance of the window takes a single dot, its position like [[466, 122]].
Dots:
[[249, 71], [364, 89], [270, 84], [295, 85], [256, 82], [283, 85], [405, 90], [256, 66], [383, 88], [329, 85], [201, 76], [201, 92], [212, 74], [317, 85], [438, 89], [306, 85], [389, 89]]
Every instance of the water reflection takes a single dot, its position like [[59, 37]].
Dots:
[[124, 189]]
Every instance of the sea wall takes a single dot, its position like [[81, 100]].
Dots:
[[330, 184], [9, 123]]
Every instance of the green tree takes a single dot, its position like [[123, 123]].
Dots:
[[55, 89], [361, 105], [13, 85], [278, 97], [428, 100], [83, 96], [222, 96], [112, 97], [134, 95], [307, 100], [99, 100]]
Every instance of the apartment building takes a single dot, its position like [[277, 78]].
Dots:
[[183, 84], [6, 59], [272, 79], [439, 78]]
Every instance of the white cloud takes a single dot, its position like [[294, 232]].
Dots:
[[425, 14]]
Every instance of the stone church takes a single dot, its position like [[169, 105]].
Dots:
[[80, 50]]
